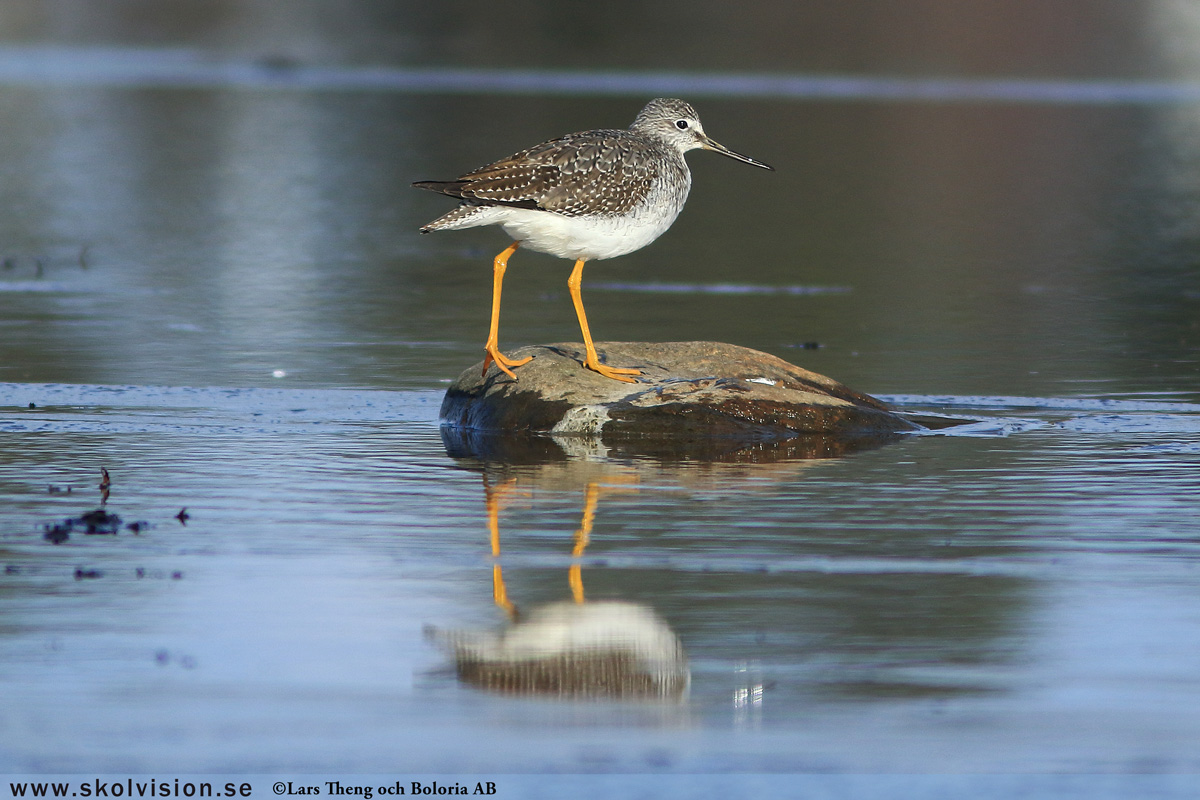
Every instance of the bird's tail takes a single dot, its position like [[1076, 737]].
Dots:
[[467, 215], [452, 188]]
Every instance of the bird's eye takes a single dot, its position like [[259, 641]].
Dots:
[[682, 124]]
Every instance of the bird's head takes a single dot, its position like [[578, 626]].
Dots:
[[677, 123]]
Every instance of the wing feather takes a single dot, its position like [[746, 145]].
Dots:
[[595, 172]]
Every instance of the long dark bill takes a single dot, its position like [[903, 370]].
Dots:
[[709, 144]]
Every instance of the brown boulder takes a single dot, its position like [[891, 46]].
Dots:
[[689, 390]]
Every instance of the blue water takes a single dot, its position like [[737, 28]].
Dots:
[[1013, 595], [179, 68]]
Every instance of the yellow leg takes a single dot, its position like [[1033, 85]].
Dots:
[[500, 594], [591, 496], [492, 499], [592, 361], [499, 265]]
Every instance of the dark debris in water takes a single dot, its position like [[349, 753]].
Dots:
[[94, 523], [142, 572], [57, 534], [98, 522], [163, 657], [87, 574]]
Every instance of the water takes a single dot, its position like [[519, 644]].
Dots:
[[217, 293], [1016, 595]]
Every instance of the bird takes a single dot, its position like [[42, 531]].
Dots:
[[585, 196]]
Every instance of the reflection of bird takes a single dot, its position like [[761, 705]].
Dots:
[[577, 650], [585, 196]]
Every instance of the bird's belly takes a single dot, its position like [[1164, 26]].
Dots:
[[588, 238]]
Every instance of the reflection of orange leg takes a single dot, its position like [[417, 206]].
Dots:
[[500, 594], [499, 265], [592, 361], [582, 536], [492, 498]]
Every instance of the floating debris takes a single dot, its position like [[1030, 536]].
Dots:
[[93, 523], [98, 522], [164, 657], [57, 534], [142, 572], [87, 574]]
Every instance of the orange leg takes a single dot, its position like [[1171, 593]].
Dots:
[[493, 499], [500, 594], [591, 496], [592, 361], [499, 265]]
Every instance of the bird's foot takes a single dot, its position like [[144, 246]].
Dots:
[[616, 373], [502, 361]]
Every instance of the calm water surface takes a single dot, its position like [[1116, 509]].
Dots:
[[1018, 596], [218, 294]]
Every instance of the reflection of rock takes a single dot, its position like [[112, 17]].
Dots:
[[604, 649], [687, 390], [510, 450]]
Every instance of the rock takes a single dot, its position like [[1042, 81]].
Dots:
[[687, 390]]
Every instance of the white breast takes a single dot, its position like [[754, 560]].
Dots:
[[594, 237]]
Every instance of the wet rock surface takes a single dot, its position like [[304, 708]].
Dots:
[[687, 390]]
